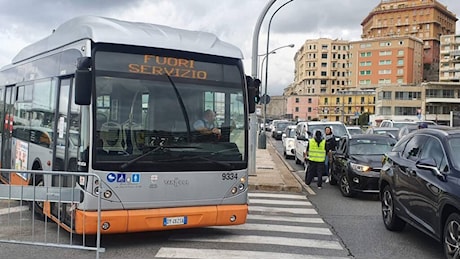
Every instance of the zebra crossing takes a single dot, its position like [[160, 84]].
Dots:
[[278, 226]]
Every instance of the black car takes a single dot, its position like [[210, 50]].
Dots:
[[357, 162], [420, 185]]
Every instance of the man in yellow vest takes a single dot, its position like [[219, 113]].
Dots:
[[316, 153]]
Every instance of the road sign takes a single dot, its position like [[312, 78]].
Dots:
[[265, 99]]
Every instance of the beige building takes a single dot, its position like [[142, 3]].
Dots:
[[386, 61], [450, 58], [321, 67], [424, 19]]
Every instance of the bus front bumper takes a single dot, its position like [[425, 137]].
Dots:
[[141, 220]]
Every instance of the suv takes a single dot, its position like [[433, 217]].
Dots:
[[278, 128], [420, 184], [305, 130], [400, 124]]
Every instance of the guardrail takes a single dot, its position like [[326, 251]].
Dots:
[[25, 210]]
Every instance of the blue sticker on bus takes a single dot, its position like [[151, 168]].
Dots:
[[111, 177], [136, 178], [121, 177]]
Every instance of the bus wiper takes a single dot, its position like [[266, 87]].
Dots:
[[129, 163], [228, 166], [182, 106]]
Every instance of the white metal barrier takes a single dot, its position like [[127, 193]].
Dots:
[[21, 209]]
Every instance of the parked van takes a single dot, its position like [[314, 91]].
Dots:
[[305, 130]]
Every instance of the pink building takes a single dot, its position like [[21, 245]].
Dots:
[[302, 107]]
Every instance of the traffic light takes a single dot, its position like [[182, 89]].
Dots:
[[257, 88]]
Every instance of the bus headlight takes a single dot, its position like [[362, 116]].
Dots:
[[241, 186], [243, 179], [234, 190]]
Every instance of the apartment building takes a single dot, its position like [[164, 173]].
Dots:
[[449, 70], [302, 107], [321, 67], [424, 19], [386, 61], [346, 105]]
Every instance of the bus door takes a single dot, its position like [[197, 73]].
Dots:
[[7, 129], [65, 140]]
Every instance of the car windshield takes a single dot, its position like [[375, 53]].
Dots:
[[282, 125], [355, 131], [337, 129], [290, 132], [401, 124], [371, 146]]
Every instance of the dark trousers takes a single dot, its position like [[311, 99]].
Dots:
[[315, 169]]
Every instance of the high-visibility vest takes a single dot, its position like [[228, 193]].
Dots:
[[316, 153]]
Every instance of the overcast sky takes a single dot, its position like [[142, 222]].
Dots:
[[23, 22]]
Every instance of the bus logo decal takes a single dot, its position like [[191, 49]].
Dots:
[[121, 177], [136, 178], [111, 177], [176, 182]]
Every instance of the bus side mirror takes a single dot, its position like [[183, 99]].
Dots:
[[83, 82], [252, 86]]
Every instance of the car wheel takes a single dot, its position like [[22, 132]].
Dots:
[[297, 161], [345, 188], [390, 219], [451, 239]]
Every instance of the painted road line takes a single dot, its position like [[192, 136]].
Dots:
[[279, 228], [282, 210], [265, 240], [286, 219], [5, 211], [280, 202], [175, 252], [277, 196]]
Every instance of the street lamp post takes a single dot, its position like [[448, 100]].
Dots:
[[262, 136], [253, 117]]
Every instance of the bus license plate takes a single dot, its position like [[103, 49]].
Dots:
[[175, 221]]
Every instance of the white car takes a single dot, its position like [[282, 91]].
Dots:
[[305, 130], [288, 139]]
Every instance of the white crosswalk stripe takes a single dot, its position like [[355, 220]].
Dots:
[[278, 226]]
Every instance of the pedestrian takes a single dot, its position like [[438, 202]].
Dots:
[[316, 153], [331, 145]]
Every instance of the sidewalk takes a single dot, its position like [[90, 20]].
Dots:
[[272, 174]]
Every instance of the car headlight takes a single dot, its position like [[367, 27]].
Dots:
[[291, 143], [360, 167]]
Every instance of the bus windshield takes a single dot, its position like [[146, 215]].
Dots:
[[145, 114]]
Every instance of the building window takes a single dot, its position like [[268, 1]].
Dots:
[[337, 101], [365, 72], [400, 72], [385, 62], [384, 72], [365, 82], [309, 101], [384, 95], [403, 111], [365, 63], [323, 55], [385, 110], [385, 53], [400, 62], [384, 81], [400, 95], [323, 73], [365, 54], [383, 44], [324, 47], [323, 64], [296, 109], [297, 100]]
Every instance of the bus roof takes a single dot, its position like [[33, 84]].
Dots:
[[108, 30]]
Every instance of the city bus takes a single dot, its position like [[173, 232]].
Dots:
[[119, 99]]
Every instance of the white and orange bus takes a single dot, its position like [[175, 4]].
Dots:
[[119, 99]]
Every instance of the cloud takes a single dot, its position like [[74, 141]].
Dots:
[[24, 22]]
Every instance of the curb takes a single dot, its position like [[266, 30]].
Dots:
[[292, 171]]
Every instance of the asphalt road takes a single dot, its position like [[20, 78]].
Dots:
[[358, 223]]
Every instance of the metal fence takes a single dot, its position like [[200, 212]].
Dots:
[[21, 209]]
